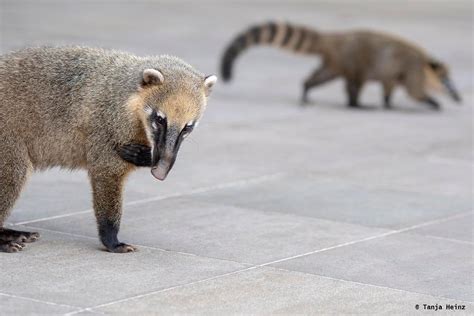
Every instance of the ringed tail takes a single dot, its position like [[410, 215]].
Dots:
[[283, 35]]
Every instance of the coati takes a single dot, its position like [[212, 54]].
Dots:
[[94, 109], [357, 57]]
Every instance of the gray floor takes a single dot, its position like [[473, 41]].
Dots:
[[270, 208]]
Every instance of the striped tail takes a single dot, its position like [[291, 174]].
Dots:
[[294, 38]]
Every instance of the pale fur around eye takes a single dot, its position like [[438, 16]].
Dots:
[[148, 109], [161, 114]]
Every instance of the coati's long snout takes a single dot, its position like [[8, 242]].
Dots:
[[453, 92], [442, 73], [165, 151]]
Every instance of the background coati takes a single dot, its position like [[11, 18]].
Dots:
[[355, 56], [75, 107]]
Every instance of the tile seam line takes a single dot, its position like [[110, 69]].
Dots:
[[457, 241], [389, 233], [91, 308], [370, 285], [38, 301], [302, 216], [258, 179], [276, 261], [142, 246]]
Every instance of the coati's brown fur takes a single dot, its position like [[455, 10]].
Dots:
[[355, 56], [72, 107]]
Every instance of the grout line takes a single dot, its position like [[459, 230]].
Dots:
[[162, 290], [459, 241], [52, 217], [374, 237], [60, 232], [368, 284], [37, 301], [281, 260], [138, 245], [255, 180]]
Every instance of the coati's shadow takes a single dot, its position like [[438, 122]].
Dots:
[[340, 106], [334, 105]]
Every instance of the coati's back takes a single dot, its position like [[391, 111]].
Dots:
[[42, 96], [48, 94], [347, 52]]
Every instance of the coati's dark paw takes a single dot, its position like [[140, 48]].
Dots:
[[11, 246], [18, 236], [122, 248], [27, 237], [136, 154]]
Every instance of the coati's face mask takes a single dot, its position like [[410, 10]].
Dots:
[[442, 73], [172, 112]]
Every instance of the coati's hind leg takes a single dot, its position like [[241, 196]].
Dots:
[[318, 77], [353, 88], [107, 187], [14, 169], [387, 93]]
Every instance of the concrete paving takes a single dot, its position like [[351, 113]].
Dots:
[[271, 207]]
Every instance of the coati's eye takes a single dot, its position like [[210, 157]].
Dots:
[[157, 118], [160, 118]]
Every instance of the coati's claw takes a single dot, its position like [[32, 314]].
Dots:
[[123, 248], [136, 154], [11, 246], [18, 236]]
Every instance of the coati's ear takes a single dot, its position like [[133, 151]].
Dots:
[[152, 77], [209, 82]]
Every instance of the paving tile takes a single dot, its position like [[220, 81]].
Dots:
[[429, 175], [220, 231], [316, 196], [20, 306], [269, 291], [403, 261], [456, 229], [75, 271]]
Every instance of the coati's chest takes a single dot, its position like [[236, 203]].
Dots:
[[66, 149]]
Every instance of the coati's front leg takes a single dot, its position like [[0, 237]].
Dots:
[[107, 187], [136, 154]]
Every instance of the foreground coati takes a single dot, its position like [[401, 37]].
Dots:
[[355, 56], [93, 109]]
